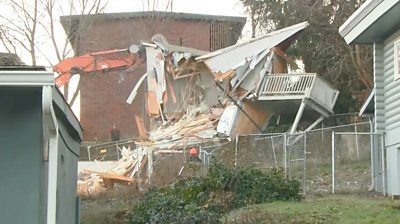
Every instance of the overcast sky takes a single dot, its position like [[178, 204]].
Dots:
[[212, 7]]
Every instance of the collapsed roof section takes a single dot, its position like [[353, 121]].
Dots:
[[237, 88], [223, 60]]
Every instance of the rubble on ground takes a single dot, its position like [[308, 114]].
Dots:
[[125, 171]]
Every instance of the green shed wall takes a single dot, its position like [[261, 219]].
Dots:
[[68, 149], [21, 166]]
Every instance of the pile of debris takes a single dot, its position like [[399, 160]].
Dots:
[[126, 171], [196, 98], [188, 130], [183, 80], [199, 96]]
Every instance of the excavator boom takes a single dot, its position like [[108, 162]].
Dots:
[[96, 62]]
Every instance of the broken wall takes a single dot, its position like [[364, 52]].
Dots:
[[279, 65], [192, 90], [103, 95], [203, 80], [244, 125]]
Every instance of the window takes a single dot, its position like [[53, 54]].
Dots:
[[396, 63]]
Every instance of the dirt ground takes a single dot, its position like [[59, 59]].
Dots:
[[109, 207]]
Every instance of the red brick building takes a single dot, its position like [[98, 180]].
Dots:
[[103, 95]]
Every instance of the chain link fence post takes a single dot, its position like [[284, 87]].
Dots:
[[285, 153], [236, 149], [305, 163], [333, 162]]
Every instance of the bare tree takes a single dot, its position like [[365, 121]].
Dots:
[[19, 27], [28, 21], [53, 9], [154, 5], [7, 40], [63, 47]]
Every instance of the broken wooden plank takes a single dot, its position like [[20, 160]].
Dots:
[[152, 104], [114, 178], [141, 127], [219, 76], [171, 89], [142, 164]]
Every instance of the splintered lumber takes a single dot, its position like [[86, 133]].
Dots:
[[219, 76], [122, 167], [198, 122], [91, 186], [197, 129], [129, 168], [171, 89], [109, 179], [142, 164], [133, 162], [141, 127], [194, 129], [194, 124]]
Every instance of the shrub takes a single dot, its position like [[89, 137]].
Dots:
[[206, 199]]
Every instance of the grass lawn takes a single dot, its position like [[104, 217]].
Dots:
[[322, 209]]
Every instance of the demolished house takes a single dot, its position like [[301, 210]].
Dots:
[[232, 91], [102, 96], [196, 97]]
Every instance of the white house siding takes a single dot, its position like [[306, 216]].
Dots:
[[379, 88], [392, 88], [391, 116]]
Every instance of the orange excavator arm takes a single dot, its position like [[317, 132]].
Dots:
[[97, 62]]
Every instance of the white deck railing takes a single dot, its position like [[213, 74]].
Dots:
[[298, 86], [284, 84]]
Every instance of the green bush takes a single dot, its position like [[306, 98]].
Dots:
[[206, 199]]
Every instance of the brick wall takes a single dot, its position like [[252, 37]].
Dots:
[[103, 95]]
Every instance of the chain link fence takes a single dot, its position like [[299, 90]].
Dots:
[[171, 165], [356, 165], [320, 163], [105, 151], [319, 155], [307, 156]]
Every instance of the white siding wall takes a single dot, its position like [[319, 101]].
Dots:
[[379, 88], [392, 88], [391, 116]]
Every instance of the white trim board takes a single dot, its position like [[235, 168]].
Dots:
[[364, 17]]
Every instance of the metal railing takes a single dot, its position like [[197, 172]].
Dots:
[[298, 86], [285, 84], [112, 149]]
